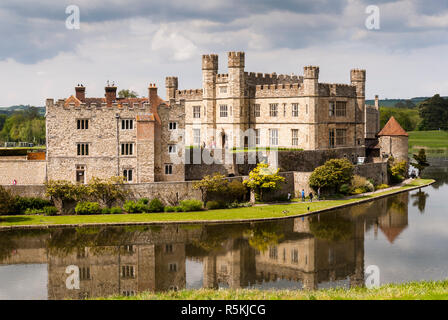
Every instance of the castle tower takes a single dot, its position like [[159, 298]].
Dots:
[[209, 72], [393, 141], [236, 61], [358, 79], [171, 85], [311, 94]]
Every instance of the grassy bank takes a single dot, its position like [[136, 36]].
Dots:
[[256, 212], [433, 141], [425, 290]]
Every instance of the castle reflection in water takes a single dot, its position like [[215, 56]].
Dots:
[[310, 252]]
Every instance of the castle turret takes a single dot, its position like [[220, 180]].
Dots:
[[209, 72], [310, 80], [358, 79], [393, 141], [171, 85], [237, 92]]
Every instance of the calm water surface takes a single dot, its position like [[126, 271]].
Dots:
[[404, 235]]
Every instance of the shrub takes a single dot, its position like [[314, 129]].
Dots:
[[116, 210], [191, 205], [50, 211], [358, 191], [30, 211], [345, 188], [236, 190], [212, 205], [382, 186], [264, 179], [361, 183], [87, 208], [108, 191], [178, 209], [105, 211], [22, 204], [397, 170], [169, 209], [332, 175], [156, 205], [6, 201], [143, 201], [135, 207]]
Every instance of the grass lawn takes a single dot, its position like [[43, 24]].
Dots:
[[425, 290], [428, 139], [256, 212]]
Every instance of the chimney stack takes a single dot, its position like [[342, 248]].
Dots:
[[377, 102], [80, 92], [111, 94], [152, 95]]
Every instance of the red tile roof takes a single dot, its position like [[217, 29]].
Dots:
[[392, 128]]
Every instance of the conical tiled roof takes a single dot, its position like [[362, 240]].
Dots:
[[392, 128]]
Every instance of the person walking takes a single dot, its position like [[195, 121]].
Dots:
[[303, 195], [311, 197]]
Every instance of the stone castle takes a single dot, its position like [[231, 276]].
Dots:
[[150, 139]]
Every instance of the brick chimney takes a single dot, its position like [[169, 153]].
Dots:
[[111, 94], [377, 102], [80, 92], [152, 95]]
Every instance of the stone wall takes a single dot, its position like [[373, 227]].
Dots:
[[375, 171], [25, 172]]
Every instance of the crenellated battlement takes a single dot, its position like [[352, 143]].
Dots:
[[66, 104], [236, 59], [222, 78], [272, 78], [358, 75], [311, 72], [191, 94], [210, 62], [337, 90], [277, 90]]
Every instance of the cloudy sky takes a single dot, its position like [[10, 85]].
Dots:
[[137, 42]]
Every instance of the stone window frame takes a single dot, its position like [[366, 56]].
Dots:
[[172, 148], [168, 168], [172, 125], [169, 248], [196, 112], [273, 253], [82, 124], [128, 271], [257, 110], [295, 110], [295, 255], [284, 110], [331, 138], [84, 273], [331, 108], [172, 267], [257, 137], [294, 137], [127, 124], [273, 138], [222, 89], [128, 174], [82, 149], [223, 111], [341, 109], [127, 148], [273, 110], [341, 136], [196, 137]]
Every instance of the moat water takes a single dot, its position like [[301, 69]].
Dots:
[[391, 240]]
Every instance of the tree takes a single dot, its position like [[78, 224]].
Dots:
[[125, 93], [108, 191], [421, 163], [65, 194], [210, 184], [263, 179], [434, 113], [6, 201], [331, 175], [397, 170]]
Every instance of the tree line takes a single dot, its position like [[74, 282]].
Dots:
[[23, 126], [430, 114]]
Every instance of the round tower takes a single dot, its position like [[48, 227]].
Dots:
[[393, 141]]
